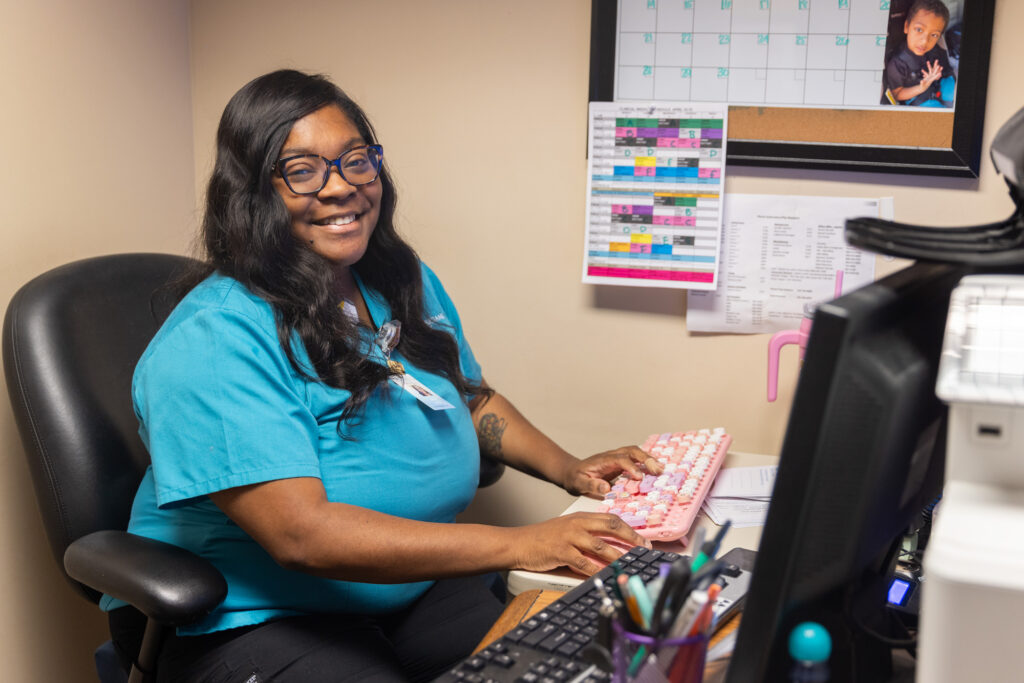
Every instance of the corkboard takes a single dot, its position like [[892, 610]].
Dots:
[[898, 128]]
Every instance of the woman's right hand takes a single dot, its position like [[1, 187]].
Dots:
[[573, 541]]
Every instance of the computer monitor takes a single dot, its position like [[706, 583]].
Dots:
[[862, 456]]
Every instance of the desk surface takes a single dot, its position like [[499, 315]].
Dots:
[[564, 579]]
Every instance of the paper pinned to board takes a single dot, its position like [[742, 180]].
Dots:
[[654, 194], [780, 252]]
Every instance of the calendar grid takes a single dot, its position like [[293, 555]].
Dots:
[[759, 52]]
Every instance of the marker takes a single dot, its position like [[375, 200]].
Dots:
[[703, 621], [698, 538], [642, 599], [641, 603], [684, 622], [657, 584], [706, 576], [710, 548], [632, 606], [684, 662], [688, 614], [671, 596]]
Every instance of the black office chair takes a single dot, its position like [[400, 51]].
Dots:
[[71, 339]]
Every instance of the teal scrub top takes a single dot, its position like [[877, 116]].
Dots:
[[219, 406]]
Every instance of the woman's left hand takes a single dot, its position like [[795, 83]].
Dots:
[[590, 477]]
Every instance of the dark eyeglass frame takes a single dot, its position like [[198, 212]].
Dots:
[[278, 167]]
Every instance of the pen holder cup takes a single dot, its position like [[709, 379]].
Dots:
[[631, 650]]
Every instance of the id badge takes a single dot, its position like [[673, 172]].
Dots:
[[421, 392]]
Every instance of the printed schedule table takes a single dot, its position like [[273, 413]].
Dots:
[[775, 52], [656, 173]]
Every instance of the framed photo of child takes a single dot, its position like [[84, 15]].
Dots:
[[922, 52], [896, 86]]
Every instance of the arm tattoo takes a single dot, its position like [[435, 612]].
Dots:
[[489, 433]]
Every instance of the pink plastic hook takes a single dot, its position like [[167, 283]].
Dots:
[[780, 339]]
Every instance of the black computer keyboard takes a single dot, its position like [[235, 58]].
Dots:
[[552, 645]]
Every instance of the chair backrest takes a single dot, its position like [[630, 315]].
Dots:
[[71, 339]]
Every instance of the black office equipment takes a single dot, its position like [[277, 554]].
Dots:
[[996, 244], [862, 456]]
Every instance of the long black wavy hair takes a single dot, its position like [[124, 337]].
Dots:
[[247, 235]]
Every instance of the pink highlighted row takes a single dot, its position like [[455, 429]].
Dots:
[[647, 274]]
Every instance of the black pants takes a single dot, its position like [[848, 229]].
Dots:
[[417, 644]]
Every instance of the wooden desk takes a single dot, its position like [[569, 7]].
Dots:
[[521, 608]]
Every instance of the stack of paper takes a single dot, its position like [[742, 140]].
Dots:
[[741, 494]]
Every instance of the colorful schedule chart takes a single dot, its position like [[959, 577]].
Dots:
[[654, 193]]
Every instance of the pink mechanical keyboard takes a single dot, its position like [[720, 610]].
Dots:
[[662, 508]]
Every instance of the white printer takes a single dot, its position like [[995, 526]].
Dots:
[[973, 592]]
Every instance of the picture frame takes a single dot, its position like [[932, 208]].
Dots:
[[870, 140]]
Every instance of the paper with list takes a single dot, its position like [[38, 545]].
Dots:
[[741, 495], [780, 252]]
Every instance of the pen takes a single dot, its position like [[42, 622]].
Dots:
[[703, 621], [673, 588], [672, 593], [683, 664], [684, 661], [645, 616], [688, 614], [710, 548], [632, 605], [642, 600], [708, 574], [657, 584], [698, 538], [683, 623]]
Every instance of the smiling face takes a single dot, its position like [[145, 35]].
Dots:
[[337, 221], [923, 31]]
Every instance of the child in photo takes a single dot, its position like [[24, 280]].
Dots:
[[919, 73]]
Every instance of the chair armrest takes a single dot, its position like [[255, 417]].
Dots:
[[168, 584]]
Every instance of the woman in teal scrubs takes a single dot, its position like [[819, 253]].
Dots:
[[315, 418]]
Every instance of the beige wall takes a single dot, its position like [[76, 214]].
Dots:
[[481, 107], [97, 158]]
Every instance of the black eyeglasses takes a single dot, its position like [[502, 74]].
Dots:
[[308, 173]]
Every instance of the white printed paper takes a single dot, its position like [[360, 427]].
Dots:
[[741, 495], [780, 252]]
